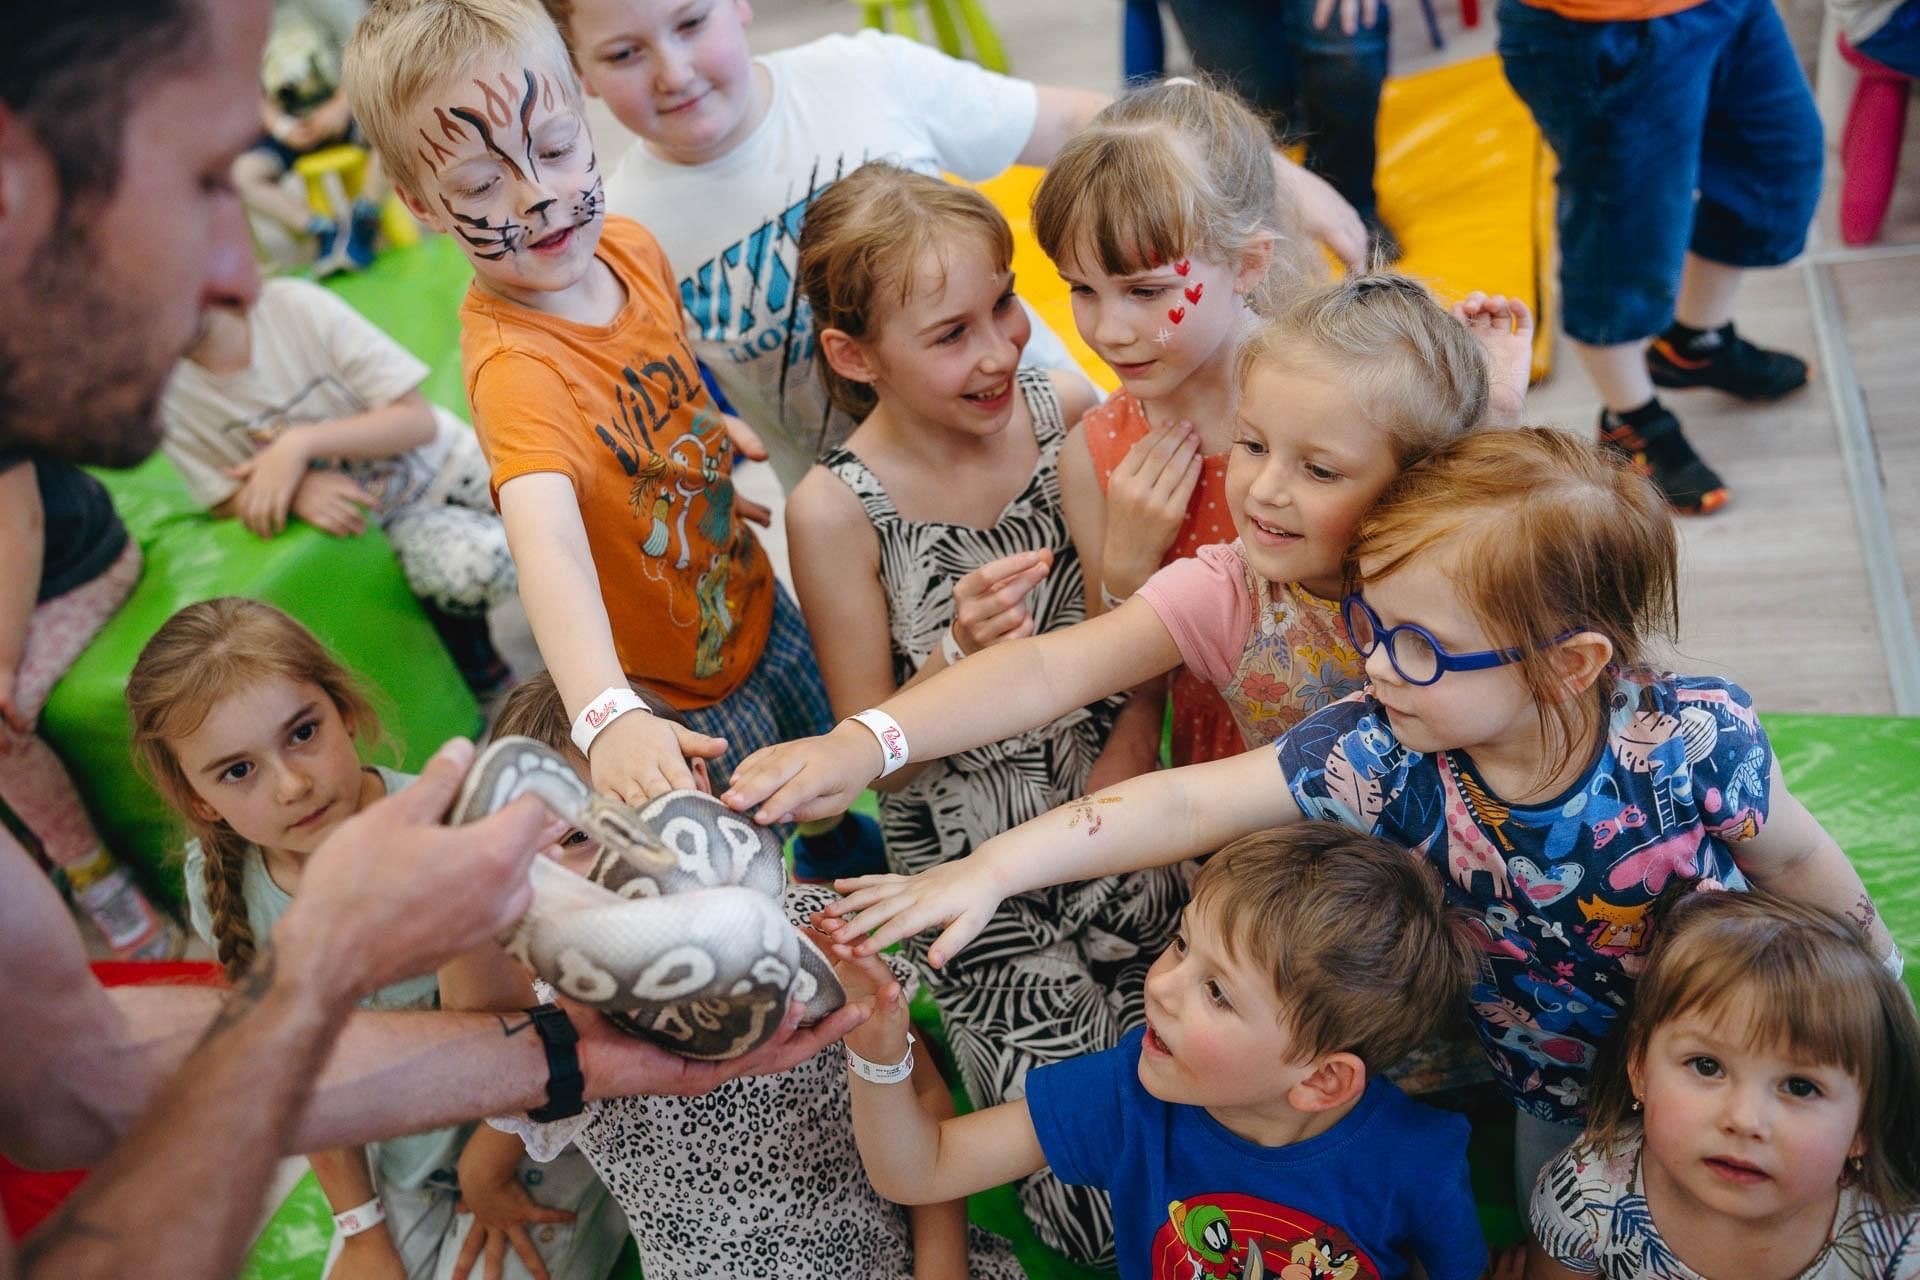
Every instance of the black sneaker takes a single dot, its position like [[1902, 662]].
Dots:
[[1660, 452], [1730, 363]]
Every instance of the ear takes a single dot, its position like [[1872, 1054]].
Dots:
[[201, 810], [1579, 660], [435, 218], [29, 195], [1637, 1075], [1335, 1081], [847, 356], [1255, 261], [745, 10]]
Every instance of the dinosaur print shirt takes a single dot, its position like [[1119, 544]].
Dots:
[[1557, 893], [621, 411], [1192, 1200]]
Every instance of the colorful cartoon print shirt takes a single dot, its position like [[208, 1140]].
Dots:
[[620, 410], [1590, 1215], [1557, 893], [1194, 1201]]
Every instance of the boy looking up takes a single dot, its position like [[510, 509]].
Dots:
[[1247, 1119]]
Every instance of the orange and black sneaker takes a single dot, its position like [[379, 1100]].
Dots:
[[1655, 446], [1722, 359]]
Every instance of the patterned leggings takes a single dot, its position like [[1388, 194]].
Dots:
[[33, 782], [453, 547], [1059, 973]]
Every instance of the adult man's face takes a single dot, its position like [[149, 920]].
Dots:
[[103, 295]]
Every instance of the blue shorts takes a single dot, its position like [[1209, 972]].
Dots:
[[1695, 131], [1897, 43]]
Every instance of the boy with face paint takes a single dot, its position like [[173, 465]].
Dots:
[[610, 463]]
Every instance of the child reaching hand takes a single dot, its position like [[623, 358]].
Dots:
[[1348, 385], [248, 728], [1510, 586], [757, 1180], [1757, 1118], [1244, 1131], [935, 535]]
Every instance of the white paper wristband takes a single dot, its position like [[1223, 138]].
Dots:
[[1109, 601], [880, 1072], [612, 703], [887, 731], [360, 1218], [950, 647], [1896, 963]]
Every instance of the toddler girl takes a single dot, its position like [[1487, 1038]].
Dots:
[[759, 1179], [935, 532], [69, 565], [1348, 385], [248, 727], [1758, 1119], [1510, 732]]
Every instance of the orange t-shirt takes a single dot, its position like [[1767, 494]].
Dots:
[[621, 411], [1613, 10], [1203, 726]]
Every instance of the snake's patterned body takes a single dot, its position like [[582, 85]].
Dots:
[[678, 933]]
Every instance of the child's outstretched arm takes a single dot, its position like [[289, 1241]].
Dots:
[[1153, 820], [1793, 856], [997, 692], [637, 756], [911, 1157]]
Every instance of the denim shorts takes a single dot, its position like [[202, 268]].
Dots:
[[1695, 131]]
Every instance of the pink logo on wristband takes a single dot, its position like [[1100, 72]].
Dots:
[[597, 716], [350, 1223], [893, 742]]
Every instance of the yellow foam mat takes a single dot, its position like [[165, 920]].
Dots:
[[1464, 179]]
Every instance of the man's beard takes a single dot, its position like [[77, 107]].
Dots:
[[80, 374]]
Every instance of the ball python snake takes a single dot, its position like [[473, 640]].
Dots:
[[678, 933]]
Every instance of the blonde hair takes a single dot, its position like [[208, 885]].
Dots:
[[1413, 370], [1166, 171], [403, 50], [1810, 982], [1365, 956], [200, 655], [1550, 534], [861, 241]]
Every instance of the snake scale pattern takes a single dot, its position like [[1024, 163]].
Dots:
[[678, 933]]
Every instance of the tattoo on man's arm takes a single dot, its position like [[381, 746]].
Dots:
[[66, 1227], [511, 1029], [251, 989]]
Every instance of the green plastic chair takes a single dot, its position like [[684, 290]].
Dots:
[[947, 18]]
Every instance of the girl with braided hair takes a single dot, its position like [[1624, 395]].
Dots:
[[250, 729]]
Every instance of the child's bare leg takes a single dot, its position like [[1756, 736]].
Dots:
[[1707, 291], [256, 175], [1503, 327], [1619, 373]]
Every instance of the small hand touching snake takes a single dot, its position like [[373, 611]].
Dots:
[[677, 933]]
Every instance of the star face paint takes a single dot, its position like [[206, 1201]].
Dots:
[[506, 165]]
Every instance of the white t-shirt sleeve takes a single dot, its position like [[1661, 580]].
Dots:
[[977, 120], [376, 368]]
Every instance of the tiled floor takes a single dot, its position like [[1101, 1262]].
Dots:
[[1779, 590]]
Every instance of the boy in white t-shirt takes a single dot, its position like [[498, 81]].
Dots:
[[303, 407], [733, 148]]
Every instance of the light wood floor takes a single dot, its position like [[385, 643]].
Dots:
[[1777, 587]]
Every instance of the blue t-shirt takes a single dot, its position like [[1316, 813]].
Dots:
[[1192, 1199], [1557, 893]]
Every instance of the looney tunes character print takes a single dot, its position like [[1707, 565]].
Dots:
[[1240, 1237]]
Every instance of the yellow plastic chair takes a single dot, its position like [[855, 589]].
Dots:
[[334, 176], [947, 17]]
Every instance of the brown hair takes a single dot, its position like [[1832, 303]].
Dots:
[[1809, 981], [198, 656], [403, 50], [533, 709], [1550, 534], [861, 241], [1365, 956], [1414, 370], [1165, 171]]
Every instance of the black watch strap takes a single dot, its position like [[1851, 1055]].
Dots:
[[566, 1087]]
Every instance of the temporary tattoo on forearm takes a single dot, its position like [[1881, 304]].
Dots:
[[1084, 811], [1863, 914]]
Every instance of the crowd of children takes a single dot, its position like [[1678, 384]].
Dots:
[[1401, 643]]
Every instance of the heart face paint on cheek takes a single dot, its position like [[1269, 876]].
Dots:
[[1182, 267], [1194, 292], [1176, 314]]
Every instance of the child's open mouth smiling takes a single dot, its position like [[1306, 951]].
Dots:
[[553, 242]]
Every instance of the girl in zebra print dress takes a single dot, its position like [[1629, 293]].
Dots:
[[934, 532]]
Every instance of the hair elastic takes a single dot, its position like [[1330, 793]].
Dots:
[[887, 731], [880, 1072], [364, 1217], [613, 702]]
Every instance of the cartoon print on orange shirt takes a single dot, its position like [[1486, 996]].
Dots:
[[1226, 1236]]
